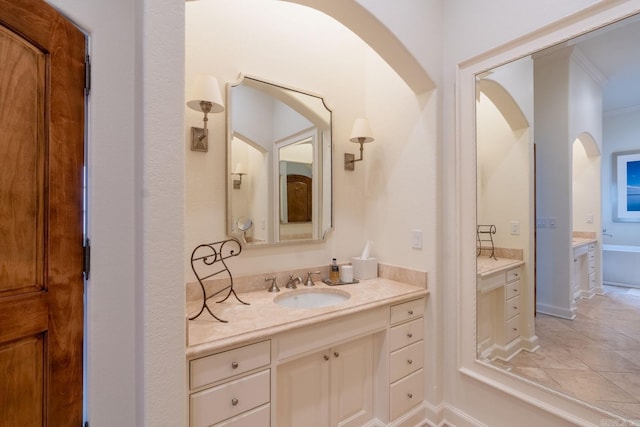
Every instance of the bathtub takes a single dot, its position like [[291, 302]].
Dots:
[[621, 265]]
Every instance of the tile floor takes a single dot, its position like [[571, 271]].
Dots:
[[595, 357]]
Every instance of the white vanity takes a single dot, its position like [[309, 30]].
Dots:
[[584, 268], [358, 362], [501, 317]]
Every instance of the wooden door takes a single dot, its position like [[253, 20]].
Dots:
[[42, 72], [299, 199]]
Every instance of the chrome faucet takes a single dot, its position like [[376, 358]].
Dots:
[[604, 233], [274, 287], [291, 284]]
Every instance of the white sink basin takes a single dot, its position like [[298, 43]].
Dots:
[[312, 298]]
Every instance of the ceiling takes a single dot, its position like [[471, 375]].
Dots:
[[615, 51]]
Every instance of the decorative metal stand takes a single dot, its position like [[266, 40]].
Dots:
[[207, 261], [484, 239]]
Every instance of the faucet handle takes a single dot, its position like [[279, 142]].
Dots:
[[309, 282], [274, 287]]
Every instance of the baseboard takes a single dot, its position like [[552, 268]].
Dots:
[[552, 310]]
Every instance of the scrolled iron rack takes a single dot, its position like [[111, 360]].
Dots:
[[484, 239], [207, 261]]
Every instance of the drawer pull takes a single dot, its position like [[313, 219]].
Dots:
[[410, 395], [336, 354], [410, 312], [409, 335], [515, 307], [234, 365], [409, 361], [326, 357], [515, 329], [234, 401]]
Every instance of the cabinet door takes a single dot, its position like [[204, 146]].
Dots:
[[303, 391], [352, 383]]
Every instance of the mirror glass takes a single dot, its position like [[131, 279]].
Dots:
[[545, 310], [279, 162]]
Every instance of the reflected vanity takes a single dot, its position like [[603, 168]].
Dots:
[[279, 140]]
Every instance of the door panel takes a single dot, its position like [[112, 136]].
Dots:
[[22, 146], [41, 241]]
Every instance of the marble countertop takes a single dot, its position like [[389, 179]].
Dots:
[[264, 318], [487, 266], [580, 241]]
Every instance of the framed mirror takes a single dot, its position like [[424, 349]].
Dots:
[[279, 151], [547, 129]]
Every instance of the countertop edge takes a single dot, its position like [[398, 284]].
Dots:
[[209, 347]]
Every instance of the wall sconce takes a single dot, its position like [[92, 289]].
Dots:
[[206, 97], [360, 133], [239, 170]]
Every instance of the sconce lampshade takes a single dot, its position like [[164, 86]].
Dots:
[[239, 170], [206, 89], [361, 129]]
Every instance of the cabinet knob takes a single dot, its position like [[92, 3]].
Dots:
[[234, 365], [515, 307], [326, 357], [409, 361], [409, 335], [410, 312], [410, 395], [234, 401], [515, 329], [336, 354]]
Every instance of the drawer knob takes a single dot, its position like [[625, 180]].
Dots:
[[515, 307], [336, 354], [409, 335], [410, 395], [234, 401], [410, 312], [326, 357], [234, 365], [515, 329], [409, 361]]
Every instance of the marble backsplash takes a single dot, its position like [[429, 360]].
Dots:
[[256, 282]]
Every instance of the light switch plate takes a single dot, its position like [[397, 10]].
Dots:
[[416, 239]]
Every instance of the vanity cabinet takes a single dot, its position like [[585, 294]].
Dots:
[[406, 357], [584, 271], [231, 388], [499, 313], [332, 387]]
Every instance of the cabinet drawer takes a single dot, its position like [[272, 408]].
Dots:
[[406, 393], [513, 328], [219, 403], [513, 274], [407, 310], [406, 360], [492, 282], [216, 367], [512, 290], [259, 417], [512, 307], [405, 334]]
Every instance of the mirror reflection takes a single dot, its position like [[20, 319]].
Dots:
[[279, 155], [554, 304]]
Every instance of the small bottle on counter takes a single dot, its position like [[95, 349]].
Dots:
[[334, 271]]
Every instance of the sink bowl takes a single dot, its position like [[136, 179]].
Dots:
[[312, 298]]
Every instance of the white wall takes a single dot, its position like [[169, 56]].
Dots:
[[621, 133]]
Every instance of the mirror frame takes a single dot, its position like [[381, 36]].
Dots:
[[461, 267], [322, 231]]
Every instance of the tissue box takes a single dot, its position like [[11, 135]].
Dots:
[[364, 268]]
